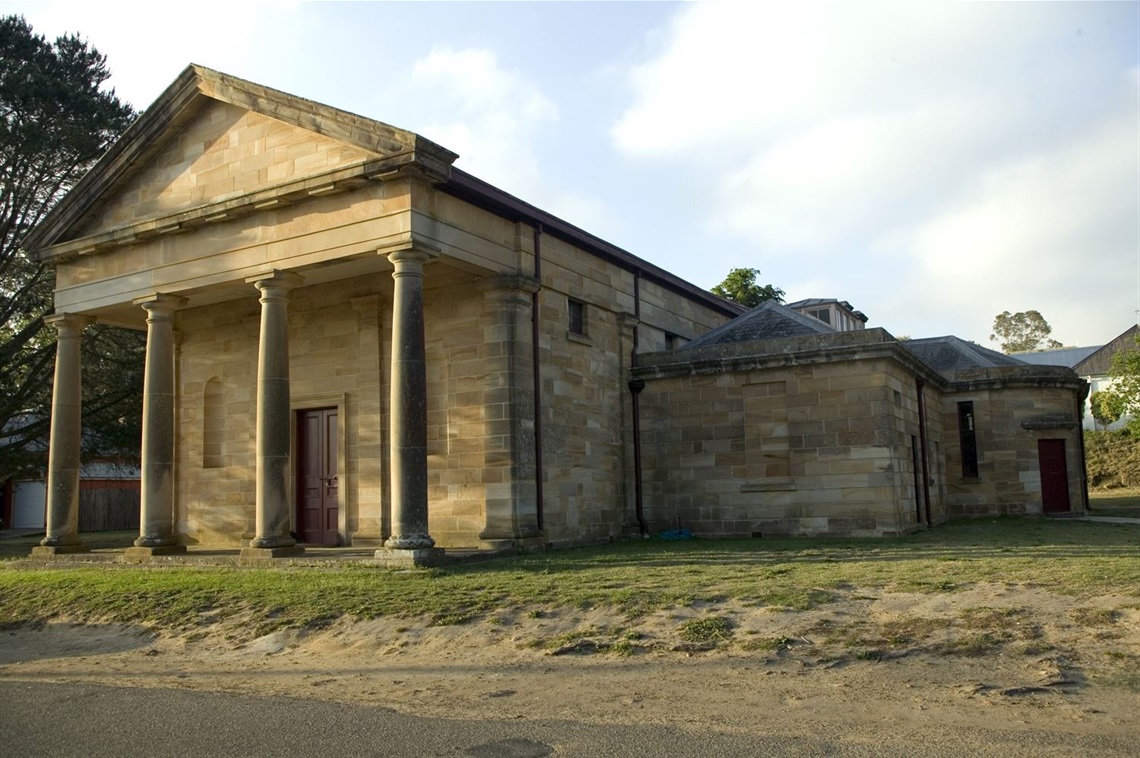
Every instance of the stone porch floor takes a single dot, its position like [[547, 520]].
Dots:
[[111, 548]]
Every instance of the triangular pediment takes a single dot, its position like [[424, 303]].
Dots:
[[212, 139], [223, 152]]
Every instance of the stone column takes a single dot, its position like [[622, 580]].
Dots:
[[66, 433], [510, 507], [272, 538], [409, 541], [156, 517]]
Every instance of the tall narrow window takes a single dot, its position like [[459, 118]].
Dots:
[[213, 425], [968, 440], [577, 317]]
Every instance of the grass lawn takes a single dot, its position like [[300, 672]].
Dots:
[[1077, 558], [1123, 502]]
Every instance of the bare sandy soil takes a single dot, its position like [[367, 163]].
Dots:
[[870, 668]]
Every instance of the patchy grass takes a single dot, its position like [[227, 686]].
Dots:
[[637, 578], [1122, 670], [1123, 502], [1094, 616]]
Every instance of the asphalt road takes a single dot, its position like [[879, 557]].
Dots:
[[45, 719]]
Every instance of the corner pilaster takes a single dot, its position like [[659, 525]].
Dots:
[[510, 496]]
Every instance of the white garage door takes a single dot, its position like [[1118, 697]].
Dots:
[[28, 501]]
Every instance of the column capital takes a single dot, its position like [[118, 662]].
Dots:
[[275, 280], [159, 302], [68, 321], [408, 243], [409, 259]]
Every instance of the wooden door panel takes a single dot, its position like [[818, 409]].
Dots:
[[317, 484], [1054, 476]]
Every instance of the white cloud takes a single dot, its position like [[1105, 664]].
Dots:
[[944, 162], [148, 44], [493, 117]]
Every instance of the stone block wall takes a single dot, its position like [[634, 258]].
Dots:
[[584, 388], [817, 448], [225, 150], [216, 379], [1010, 419]]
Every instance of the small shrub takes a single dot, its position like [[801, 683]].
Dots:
[[708, 629]]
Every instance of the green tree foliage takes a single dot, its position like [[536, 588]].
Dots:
[[1106, 407], [56, 119], [1122, 397], [741, 286], [1023, 331]]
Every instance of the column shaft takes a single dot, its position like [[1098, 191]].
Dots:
[[408, 403], [156, 518], [62, 534], [273, 427]]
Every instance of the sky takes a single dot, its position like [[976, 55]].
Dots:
[[934, 164]]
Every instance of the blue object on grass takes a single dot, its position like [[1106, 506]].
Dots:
[[676, 534]]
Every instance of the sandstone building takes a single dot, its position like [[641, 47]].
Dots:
[[351, 341]]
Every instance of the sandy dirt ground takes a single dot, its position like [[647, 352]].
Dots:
[[871, 667]]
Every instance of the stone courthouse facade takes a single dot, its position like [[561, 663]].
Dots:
[[351, 341]]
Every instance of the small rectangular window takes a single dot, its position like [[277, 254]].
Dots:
[[823, 315], [577, 317], [671, 341], [967, 438]]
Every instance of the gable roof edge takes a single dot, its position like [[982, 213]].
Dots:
[[177, 104]]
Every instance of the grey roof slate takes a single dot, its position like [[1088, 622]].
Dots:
[[769, 320], [951, 353], [1065, 356], [1099, 362]]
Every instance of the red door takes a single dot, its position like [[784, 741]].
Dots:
[[317, 514], [1054, 476]]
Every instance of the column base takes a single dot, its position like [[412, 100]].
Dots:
[[422, 557], [410, 542], [272, 542], [272, 552], [46, 550], [139, 551]]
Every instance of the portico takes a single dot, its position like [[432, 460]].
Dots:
[[292, 261]]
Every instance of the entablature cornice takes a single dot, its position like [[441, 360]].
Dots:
[[760, 356], [344, 179]]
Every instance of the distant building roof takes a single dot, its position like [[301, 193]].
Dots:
[[769, 320], [951, 353], [1063, 356], [817, 302], [1099, 362]]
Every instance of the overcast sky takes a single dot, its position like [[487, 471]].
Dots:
[[932, 163]]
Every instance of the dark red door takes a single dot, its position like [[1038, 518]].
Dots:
[[1054, 476], [317, 514]]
